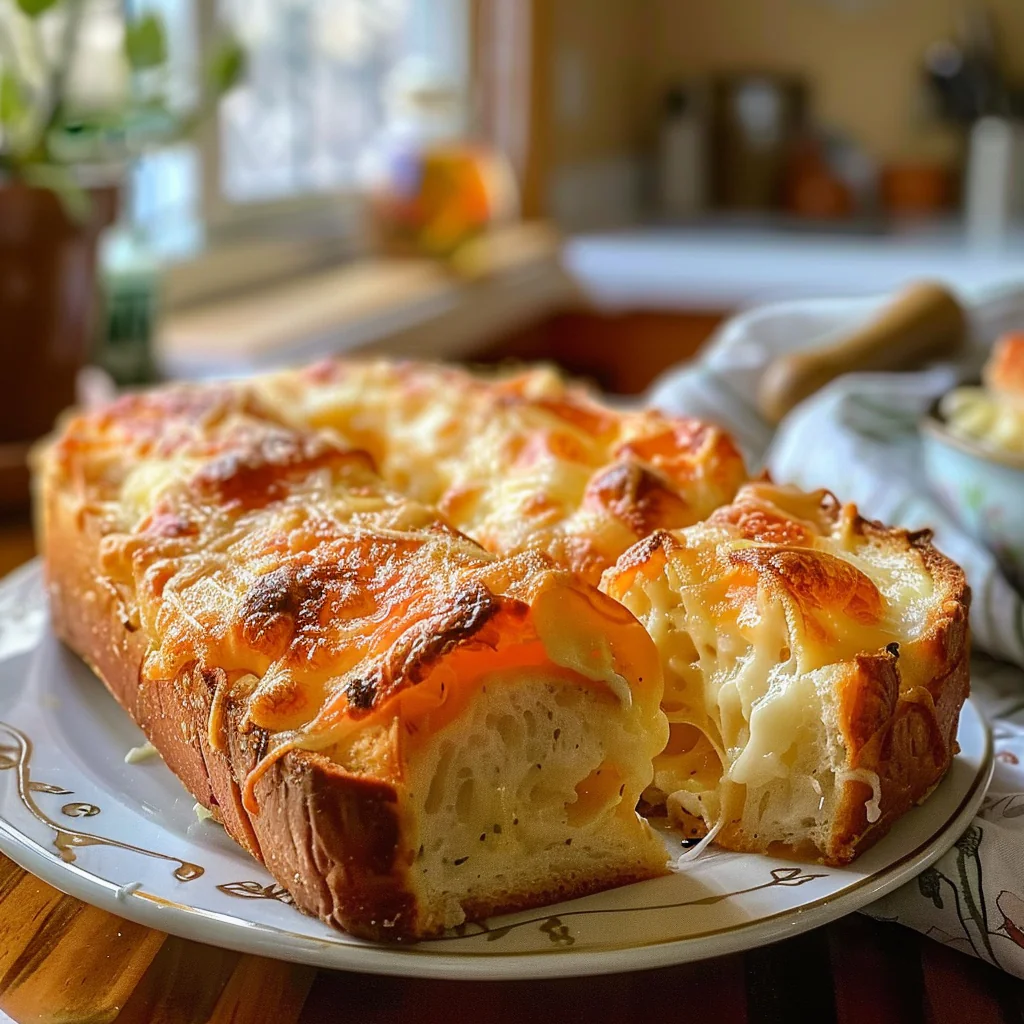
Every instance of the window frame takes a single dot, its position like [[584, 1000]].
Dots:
[[316, 214]]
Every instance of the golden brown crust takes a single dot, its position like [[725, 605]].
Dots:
[[904, 730]]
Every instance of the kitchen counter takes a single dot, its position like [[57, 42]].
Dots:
[[730, 268], [401, 307], [679, 282]]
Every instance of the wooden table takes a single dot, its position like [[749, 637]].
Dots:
[[64, 961]]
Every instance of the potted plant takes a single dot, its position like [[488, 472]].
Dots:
[[83, 89]]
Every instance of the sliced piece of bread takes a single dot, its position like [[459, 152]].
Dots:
[[815, 665]]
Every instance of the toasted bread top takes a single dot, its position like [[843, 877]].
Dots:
[[278, 558], [520, 462]]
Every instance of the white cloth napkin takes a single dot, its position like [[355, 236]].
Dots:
[[858, 437]]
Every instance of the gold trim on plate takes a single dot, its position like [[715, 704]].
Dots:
[[256, 891], [552, 926], [16, 756]]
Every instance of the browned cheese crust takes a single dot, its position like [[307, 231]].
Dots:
[[520, 462]]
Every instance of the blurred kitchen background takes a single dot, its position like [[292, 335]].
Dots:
[[595, 182]]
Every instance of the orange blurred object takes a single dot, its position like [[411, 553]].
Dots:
[[431, 189], [1004, 371], [916, 188], [430, 201], [811, 188]]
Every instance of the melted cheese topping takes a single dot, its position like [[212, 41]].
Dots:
[[519, 463], [758, 615], [277, 564], [301, 541]]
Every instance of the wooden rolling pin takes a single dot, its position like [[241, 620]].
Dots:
[[923, 322]]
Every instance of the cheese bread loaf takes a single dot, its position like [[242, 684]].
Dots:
[[407, 730], [519, 462], [355, 608], [815, 665]]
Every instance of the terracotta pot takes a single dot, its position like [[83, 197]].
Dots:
[[47, 304], [917, 189]]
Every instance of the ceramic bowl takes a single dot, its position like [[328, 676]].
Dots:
[[982, 487]]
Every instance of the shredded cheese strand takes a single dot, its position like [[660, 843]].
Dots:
[[692, 855]]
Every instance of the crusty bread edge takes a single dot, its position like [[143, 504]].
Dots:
[[878, 723], [879, 741], [886, 746], [310, 808]]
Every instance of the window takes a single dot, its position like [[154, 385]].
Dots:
[[289, 140], [312, 99]]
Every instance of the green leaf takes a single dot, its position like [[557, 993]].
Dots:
[[13, 106], [33, 8], [227, 66], [145, 42]]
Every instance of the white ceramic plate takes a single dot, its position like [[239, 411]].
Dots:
[[125, 837]]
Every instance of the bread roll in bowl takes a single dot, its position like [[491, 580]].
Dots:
[[991, 416]]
